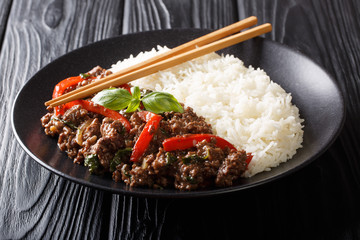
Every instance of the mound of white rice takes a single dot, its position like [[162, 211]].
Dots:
[[242, 104]]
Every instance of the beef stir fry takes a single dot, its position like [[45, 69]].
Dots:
[[171, 149]]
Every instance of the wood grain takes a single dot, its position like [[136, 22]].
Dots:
[[129, 218], [331, 38], [142, 15], [5, 7], [328, 36], [36, 203], [319, 201], [143, 218]]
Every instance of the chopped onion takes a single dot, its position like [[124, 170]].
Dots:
[[80, 130]]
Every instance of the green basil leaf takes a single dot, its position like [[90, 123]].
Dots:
[[68, 123], [133, 105], [192, 159], [135, 91], [159, 102], [191, 180], [118, 158], [113, 98], [92, 161], [170, 158]]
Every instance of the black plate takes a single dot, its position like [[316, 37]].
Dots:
[[313, 90]]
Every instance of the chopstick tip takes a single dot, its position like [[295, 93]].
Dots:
[[269, 26], [252, 19]]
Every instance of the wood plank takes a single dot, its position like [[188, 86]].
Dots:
[[328, 32], [138, 218], [5, 7], [297, 202], [36, 203], [142, 15]]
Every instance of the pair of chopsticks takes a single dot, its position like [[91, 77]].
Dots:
[[211, 42]]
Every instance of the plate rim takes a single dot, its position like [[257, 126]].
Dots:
[[181, 194]]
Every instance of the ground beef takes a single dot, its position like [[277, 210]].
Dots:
[[137, 126], [198, 168], [85, 135], [231, 168], [98, 72], [51, 126], [112, 139], [92, 130], [90, 134], [184, 123], [75, 115], [89, 77], [67, 142]]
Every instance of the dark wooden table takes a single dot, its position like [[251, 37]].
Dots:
[[321, 201]]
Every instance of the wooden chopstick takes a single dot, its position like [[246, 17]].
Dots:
[[213, 36], [208, 38], [164, 64]]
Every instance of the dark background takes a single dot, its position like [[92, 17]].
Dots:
[[321, 201]]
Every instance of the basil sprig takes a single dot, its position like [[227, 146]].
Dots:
[[113, 98], [135, 100], [159, 102], [156, 102]]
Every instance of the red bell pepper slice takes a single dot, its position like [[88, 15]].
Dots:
[[190, 140], [152, 124], [126, 87], [69, 82], [64, 84], [95, 108], [60, 89]]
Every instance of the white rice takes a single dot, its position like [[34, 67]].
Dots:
[[242, 104]]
